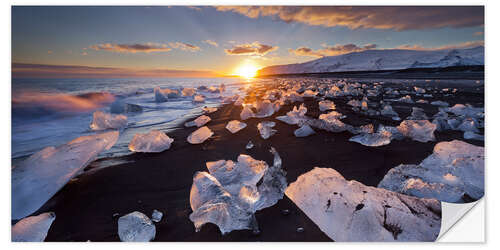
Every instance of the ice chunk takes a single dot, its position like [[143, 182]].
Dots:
[[354, 103], [419, 90], [417, 114], [473, 136], [264, 109], [440, 103], [294, 116], [209, 110], [249, 145], [136, 227], [394, 132], [388, 111], [102, 121], [303, 131], [235, 126], [326, 105], [199, 99], [229, 197], [309, 93], [454, 172], [188, 91], [200, 135], [198, 122], [405, 99], [422, 101], [33, 228], [364, 129], [418, 130], [332, 116], [153, 142], [246, 112], [39, 177], [156, 216], [266, 129], [373, 140], [159, 95], [468, 125], [119, 107], [350, 211]]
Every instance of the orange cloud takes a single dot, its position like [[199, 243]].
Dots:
[[255, 49], [213, 43], [184, 46], [131, 48], [331, 50], [378, 17]]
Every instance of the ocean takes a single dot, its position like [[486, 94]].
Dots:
[[51, 112]]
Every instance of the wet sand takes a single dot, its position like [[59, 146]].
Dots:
[[88, 207]]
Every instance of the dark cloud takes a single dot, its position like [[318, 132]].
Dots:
[[331, 50], [255, 48], [378, 17], [132, 48]]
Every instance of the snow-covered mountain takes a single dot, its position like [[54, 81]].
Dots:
[[387, 59]]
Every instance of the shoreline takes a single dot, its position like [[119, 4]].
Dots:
[[86, 207]]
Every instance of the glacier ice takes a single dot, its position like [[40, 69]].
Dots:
[[246, 112], [265, 108], [418, 130], [388, 111], [235, 126], [326, 105], [452, 173], [136, 227], [39, 177], [405, 99], [188, 91], [417, 114], [198, 99], [153, 142], [350, 211], [198, 122], [303, 131], [200, 135], [33, 228], [373, 139], [332, 116], [419, 90], [156, 216], [209, 110], [119, 107], [102, 121], [266, 129], [422, 101], [473, 136], [228, 195], [162, 95], [249, 145], [294, 116], [440, 103], [469, 125]]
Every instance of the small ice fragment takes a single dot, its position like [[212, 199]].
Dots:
[[119, 107], [159, 95], [246, 112], [372, 140], [469, 135], [153, 142], [405, 99], [33, 228], [156, 216], [303, 131], [264, 109], [388, 111], [102, 121], [198, 99], [188, 91], [200, 135], [39, 177], [467, 125], [209, 110], [417, 114], [309, 93], [422, 101], [235, 126], [249, 145], [332, 116], [440, 103], [300, 230], [136, 227], [419, 90], [198, 122], [266, 129], [418, 130], [326, 105]]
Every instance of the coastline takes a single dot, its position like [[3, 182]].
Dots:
[[85, 206]]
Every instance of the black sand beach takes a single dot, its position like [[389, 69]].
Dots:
[[88, 207]]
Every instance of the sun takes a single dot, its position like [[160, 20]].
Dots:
[[247, 70]]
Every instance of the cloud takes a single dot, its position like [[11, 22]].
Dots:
[[24, 70], [378, 17], [131, 48], [50, 52], [254, 49], [469, 44], [331, 50], [184, 46], [213, 43], [479, 33]]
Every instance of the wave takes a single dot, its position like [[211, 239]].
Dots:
[[33, 103]]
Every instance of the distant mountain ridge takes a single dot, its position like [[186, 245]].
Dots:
[[388, 59]]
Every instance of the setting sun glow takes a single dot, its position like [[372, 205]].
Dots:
[[247, 70]]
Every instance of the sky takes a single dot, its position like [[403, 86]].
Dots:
[[187, 41]]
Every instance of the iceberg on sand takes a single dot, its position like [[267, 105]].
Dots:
[[39, 177], [418, 130], [373, 139], [303, 131], [228, 195], [153, 142], [136, 227], [102, 121], [266, 129], [350, 211], [200, 135], [454, 172], [198, 122], [235, 126], [33, 228]]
